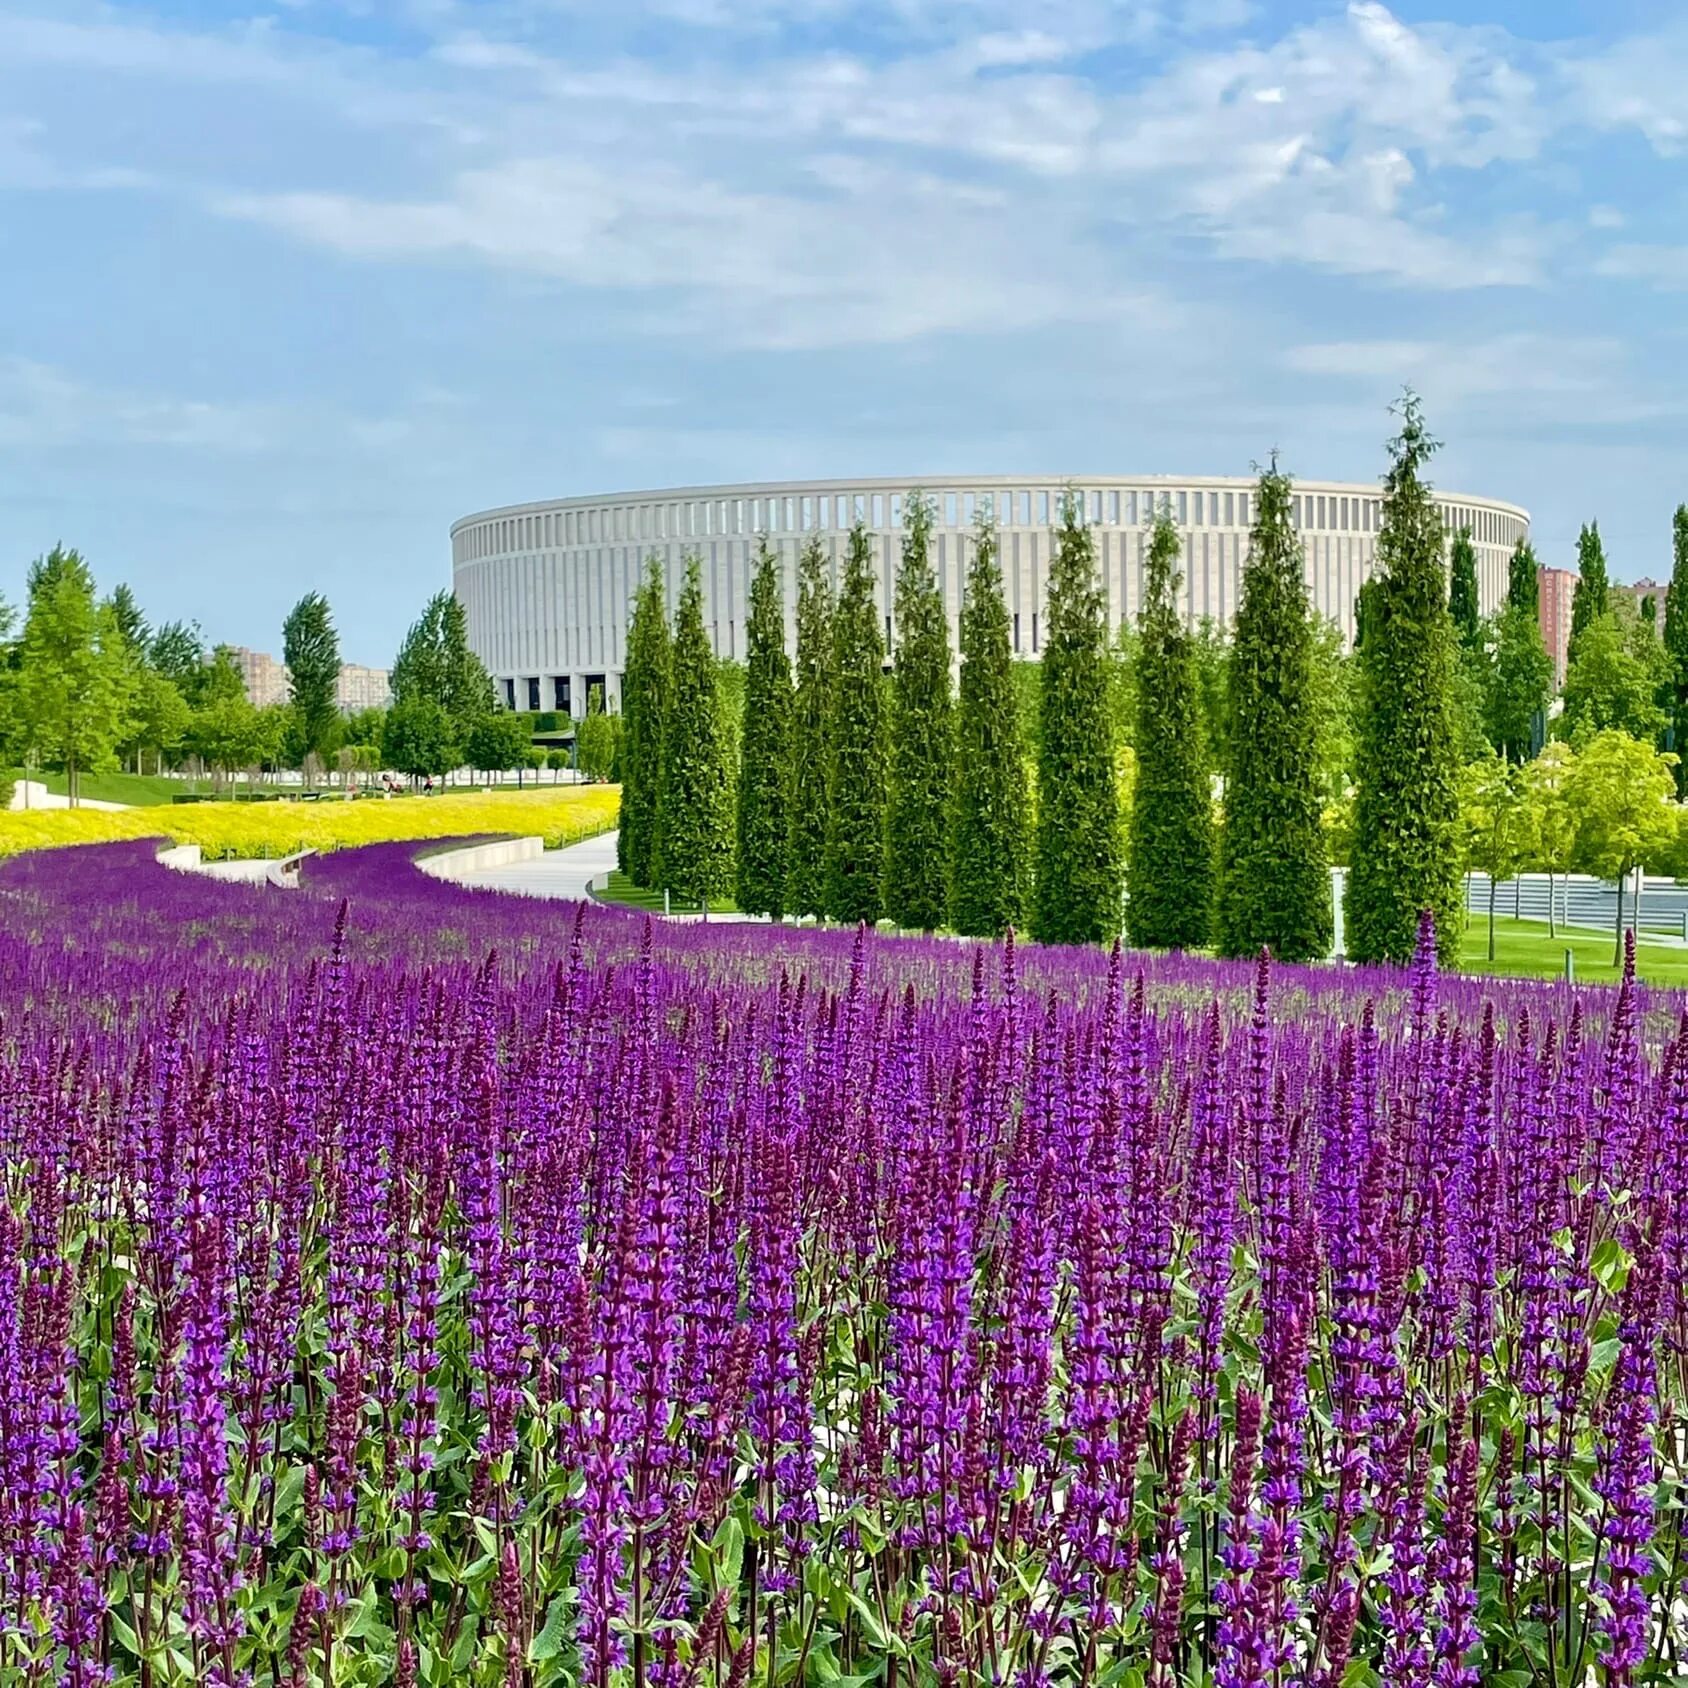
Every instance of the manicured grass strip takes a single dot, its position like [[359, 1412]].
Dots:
[[621, 889], [1524, 950]]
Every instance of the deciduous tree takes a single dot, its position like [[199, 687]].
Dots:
[[1622, 793], [73, 683], [1520, 683], [311, 650], [1463, 607], [1589, 598], [1500, 824]]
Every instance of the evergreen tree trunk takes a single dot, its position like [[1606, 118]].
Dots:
[[1274, 880], [1170, 874], [811, 747], [1406, 814], [645, 686], [695, 816], [764, 786], [855, 850], [921, 738], [1076, 899], [991, 837]]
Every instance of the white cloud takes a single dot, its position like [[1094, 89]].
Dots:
[[1664, 266]]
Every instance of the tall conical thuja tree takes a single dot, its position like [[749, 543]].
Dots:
[[1676, 645], [694, 851], [1405, 856], [1523, 584], [990, 850], [1589, 598], [645, 686], [1170, 870], [921, 736], [764, 786], [1463, 607], [1077, 896], [811, 753], [1274, 882], [855, 845]]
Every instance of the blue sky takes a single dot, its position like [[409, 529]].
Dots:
[[285, 290]]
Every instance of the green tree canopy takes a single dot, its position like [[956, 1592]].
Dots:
[[1170, 871], [855, 847], [227, 731], [1405, 853], [990, 849], [764, 775], [1523, 583], [74, 671], [1520, 683], [177, 651], [811, 746], [130, 618], [497, 742], [1500, 821], [646, 683], [1076, 898], [310, 648], [1463, 607], [1589, 598], [435, 661], [1622, 793], [1274, 881], [694, 848], [594, 739], [418, 737], [922, 736], [1614, 680]]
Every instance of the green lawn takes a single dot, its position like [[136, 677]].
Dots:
[[621, 889], [1523, 948], [141, 790]]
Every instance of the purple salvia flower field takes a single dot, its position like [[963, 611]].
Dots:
[[401, 1283]]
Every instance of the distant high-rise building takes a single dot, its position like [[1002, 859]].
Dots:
[[1554, 588], [266, 679], [355, 688], [362, 688]]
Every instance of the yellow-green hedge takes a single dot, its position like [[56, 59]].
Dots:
[[228, 830]]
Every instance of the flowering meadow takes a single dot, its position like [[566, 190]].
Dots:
[[228, 830], [400, 1283]]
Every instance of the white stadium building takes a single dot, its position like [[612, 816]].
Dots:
[[546, 587]]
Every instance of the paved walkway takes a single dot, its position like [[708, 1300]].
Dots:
[[32, 794], [567, 873]]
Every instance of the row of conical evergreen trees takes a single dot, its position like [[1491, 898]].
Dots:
[[862, 796]]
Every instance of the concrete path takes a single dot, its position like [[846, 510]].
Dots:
[[32, 794], [567, 873]]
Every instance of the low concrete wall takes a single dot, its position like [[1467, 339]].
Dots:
[[474, 858], [189, 858]]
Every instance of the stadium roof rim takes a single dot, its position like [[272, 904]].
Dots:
[[961, 483]]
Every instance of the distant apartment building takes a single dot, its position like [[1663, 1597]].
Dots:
[[1553, 590], [1640, 591], [362, 688], [356, 687], [265, 678]]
